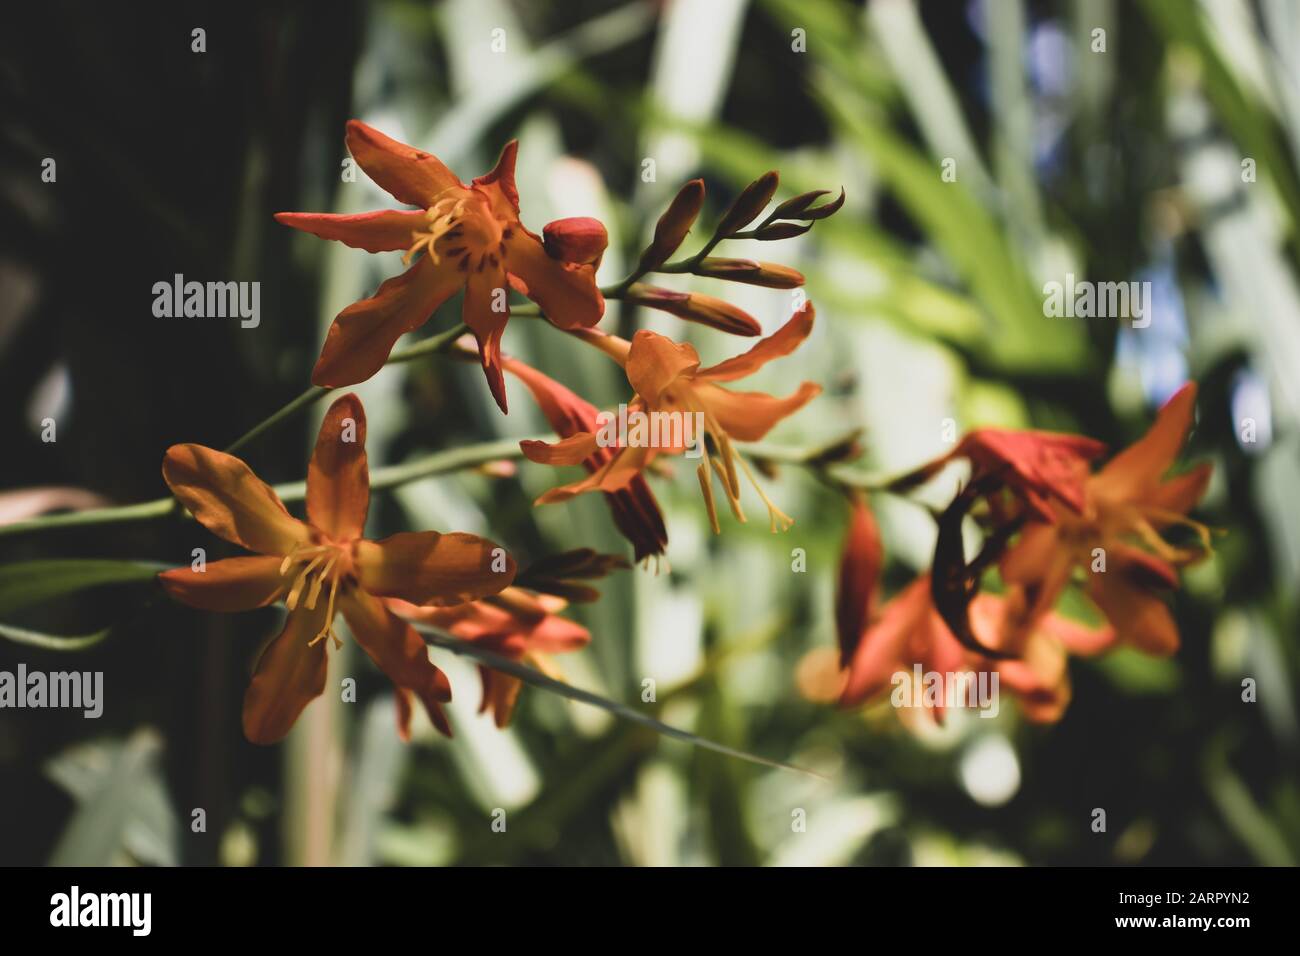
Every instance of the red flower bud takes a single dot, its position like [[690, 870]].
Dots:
[[578, 239], [748, 204], [673, 225], [767, 274], [704, 309]]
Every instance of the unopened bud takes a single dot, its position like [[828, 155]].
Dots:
[[693, 307], [770, 275], [578, 239], [748, 204], [673, 225]]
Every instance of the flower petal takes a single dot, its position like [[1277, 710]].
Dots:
[[338, 479], [748, 416], [360, 339], [425, 567], [229, 500], [654, 362], [1139, 467], [235, 584], [615, 475], [397, 651], [499, 184], [566, 291], [781, 342], [486, 311], [573, 450], [290, 675], [859, 577], [1180, 494], [882, 649], [409, 175], [385, 230], [1139, 617]]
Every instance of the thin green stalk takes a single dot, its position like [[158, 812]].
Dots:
[[535, 678], [381, 479], [430, 346]]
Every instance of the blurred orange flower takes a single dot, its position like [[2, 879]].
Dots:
[[1117, 535], [910, 632], [471, 238], [516, 623], [320, 566]]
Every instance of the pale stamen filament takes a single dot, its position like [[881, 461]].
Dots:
[[300, 582], [775, 515], [443, 216]]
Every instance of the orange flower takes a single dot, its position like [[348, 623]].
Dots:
[[471, 238], [911, 632], [859, 579], [1126, 505], [519, 624], [635, 510], [320, 566], [667, 377], [1039, 466]]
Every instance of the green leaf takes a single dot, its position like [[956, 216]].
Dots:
[[34, 582], [52, 642], [536, 678]]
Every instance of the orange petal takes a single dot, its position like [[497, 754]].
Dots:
[[363, 334], [1137, 469], [748, 416], [655, 362], [573, 450], [500, 694], [566, 291], [338, 480], [499, 184], [1138, 616], [397, 651], [781, 342], [386, 230], [859, 577], [615, 475], [408, 174], [880, 652], [290, 675], [1040, 680], [486, 311], [1179, 495], [230, 501], [235, 584], [425, 567]]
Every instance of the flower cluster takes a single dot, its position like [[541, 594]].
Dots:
[[468, 239], [1048, 522]]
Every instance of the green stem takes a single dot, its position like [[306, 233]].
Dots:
[[381, 479], [430, 346], [536, 678]]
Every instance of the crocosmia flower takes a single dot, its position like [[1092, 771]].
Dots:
[[910, 632], [460, 237], [1118, 535], [322, 567], [667, 378], [517, 623]]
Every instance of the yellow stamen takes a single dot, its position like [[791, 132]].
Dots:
[[775, 515], [706, 486]]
